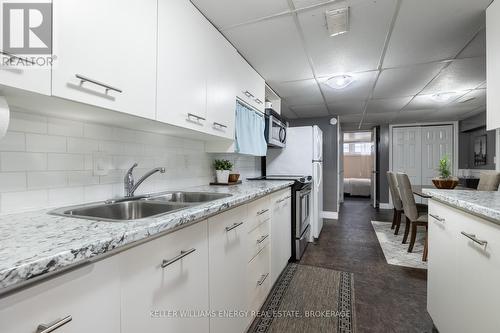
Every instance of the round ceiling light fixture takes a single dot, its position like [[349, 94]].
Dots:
[[340, 81], [443, 97], [333, 121]]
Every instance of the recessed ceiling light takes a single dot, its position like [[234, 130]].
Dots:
[[443, 97], [340, 81]]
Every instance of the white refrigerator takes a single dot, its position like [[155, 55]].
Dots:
[[302, 156]]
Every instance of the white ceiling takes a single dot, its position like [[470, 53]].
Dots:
[[400, 53]]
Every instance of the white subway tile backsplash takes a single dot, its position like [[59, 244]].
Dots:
[[12, 181], [29, 123], [98, 192], [23, 201], [13, 141], [19, 161], [65, 127], [45, 143], [77, 145], [98, 132], [66, 196], [82, 178], [46, 179], [62, 162]]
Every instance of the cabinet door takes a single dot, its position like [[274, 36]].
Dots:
[[251, 86], [442, 279], [28, 77], [227, 268], [111, 46], [89, 297], [156, 298], [492, 65], [280, 233], [258, 279], [478, 274], [182, 65], [221, 86]]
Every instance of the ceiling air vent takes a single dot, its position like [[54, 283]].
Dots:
[[337, 21]]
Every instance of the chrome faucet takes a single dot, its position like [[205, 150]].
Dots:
[[129, 185]]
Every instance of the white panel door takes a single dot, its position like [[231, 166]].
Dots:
[[406, 152], [437, 142], [493, 65], [113, 44]]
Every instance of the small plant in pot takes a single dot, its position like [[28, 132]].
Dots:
[[222, 169], [445, 181]]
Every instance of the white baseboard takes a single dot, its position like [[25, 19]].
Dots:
[[385, 205], [330, 215]]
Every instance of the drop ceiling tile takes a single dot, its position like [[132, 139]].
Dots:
[[405, 81], [422, 102], [477, 48], [309, 111], [433, 30], [358, 90], [351, 118], [224, 13], [416, 116], [380, 118], [346, 108], [460, 75], [356, 51], [306, 3], [483, 86], [273, 47], [304, 92], [387, 105], [473, 99]]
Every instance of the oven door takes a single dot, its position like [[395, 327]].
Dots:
[[303, 211], [276, 132]]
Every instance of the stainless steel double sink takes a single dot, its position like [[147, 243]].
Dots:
[[135, 208]]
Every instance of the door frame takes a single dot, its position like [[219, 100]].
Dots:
[[443, 123]]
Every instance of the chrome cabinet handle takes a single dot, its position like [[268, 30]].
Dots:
[[280, 201], [286, 198], [166, 263], [248, 94], [104, 85], [219, 125], [262, 211], [13, 56], [47, 328], [263, 238], [198, 118], [234, 226], [473, 238], [258, 101], [262, 279], [437, 218]]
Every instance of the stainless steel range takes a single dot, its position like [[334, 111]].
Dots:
[[301, 211]]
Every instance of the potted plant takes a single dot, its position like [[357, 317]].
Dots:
[[222, 168], [445, 181]]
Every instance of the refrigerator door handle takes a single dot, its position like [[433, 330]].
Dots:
[[320, 174]]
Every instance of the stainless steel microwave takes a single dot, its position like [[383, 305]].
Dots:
[[275, 129]]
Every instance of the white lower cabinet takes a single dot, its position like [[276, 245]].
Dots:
[[258, 281], [281, 231], [227, 267], [86, 300], [165, 283], [463, 272]]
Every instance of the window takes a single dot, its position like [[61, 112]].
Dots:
[[359, 148]]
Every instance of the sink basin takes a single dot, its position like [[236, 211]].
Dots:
[[121, 211], [189, 197]]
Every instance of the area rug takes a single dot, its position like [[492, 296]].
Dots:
[[308, 299], [395, 252]]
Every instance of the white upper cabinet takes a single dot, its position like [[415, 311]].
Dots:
[[493, 65], [250, 85], [106, 53], [23, 73], [182, 65]]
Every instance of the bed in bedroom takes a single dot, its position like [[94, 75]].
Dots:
[[357, 186]]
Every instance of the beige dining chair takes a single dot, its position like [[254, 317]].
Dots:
[[414, 217], [489, 181], [396, 201]]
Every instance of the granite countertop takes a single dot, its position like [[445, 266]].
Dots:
[[480, 203], [35, 243]]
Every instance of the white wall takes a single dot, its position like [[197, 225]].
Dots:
[[48, 162]]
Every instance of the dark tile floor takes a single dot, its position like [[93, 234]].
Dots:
[[388, 298]]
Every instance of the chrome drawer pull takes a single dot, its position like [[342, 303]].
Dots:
[[234, 226], [262, 212], [104, 85], [166, 263], [474, 239], [263, 238], [258, 101], [47, 328], [248, 94], [219, 125], [198, 118], [12, 57], [286, 198], [262, 279], [437, 218]]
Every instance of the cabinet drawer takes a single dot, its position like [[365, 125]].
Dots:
[[258, 212], [258, 238], [258, 281], [90, 295]]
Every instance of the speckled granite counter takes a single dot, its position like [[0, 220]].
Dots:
[[479, 203], [35, 243]]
